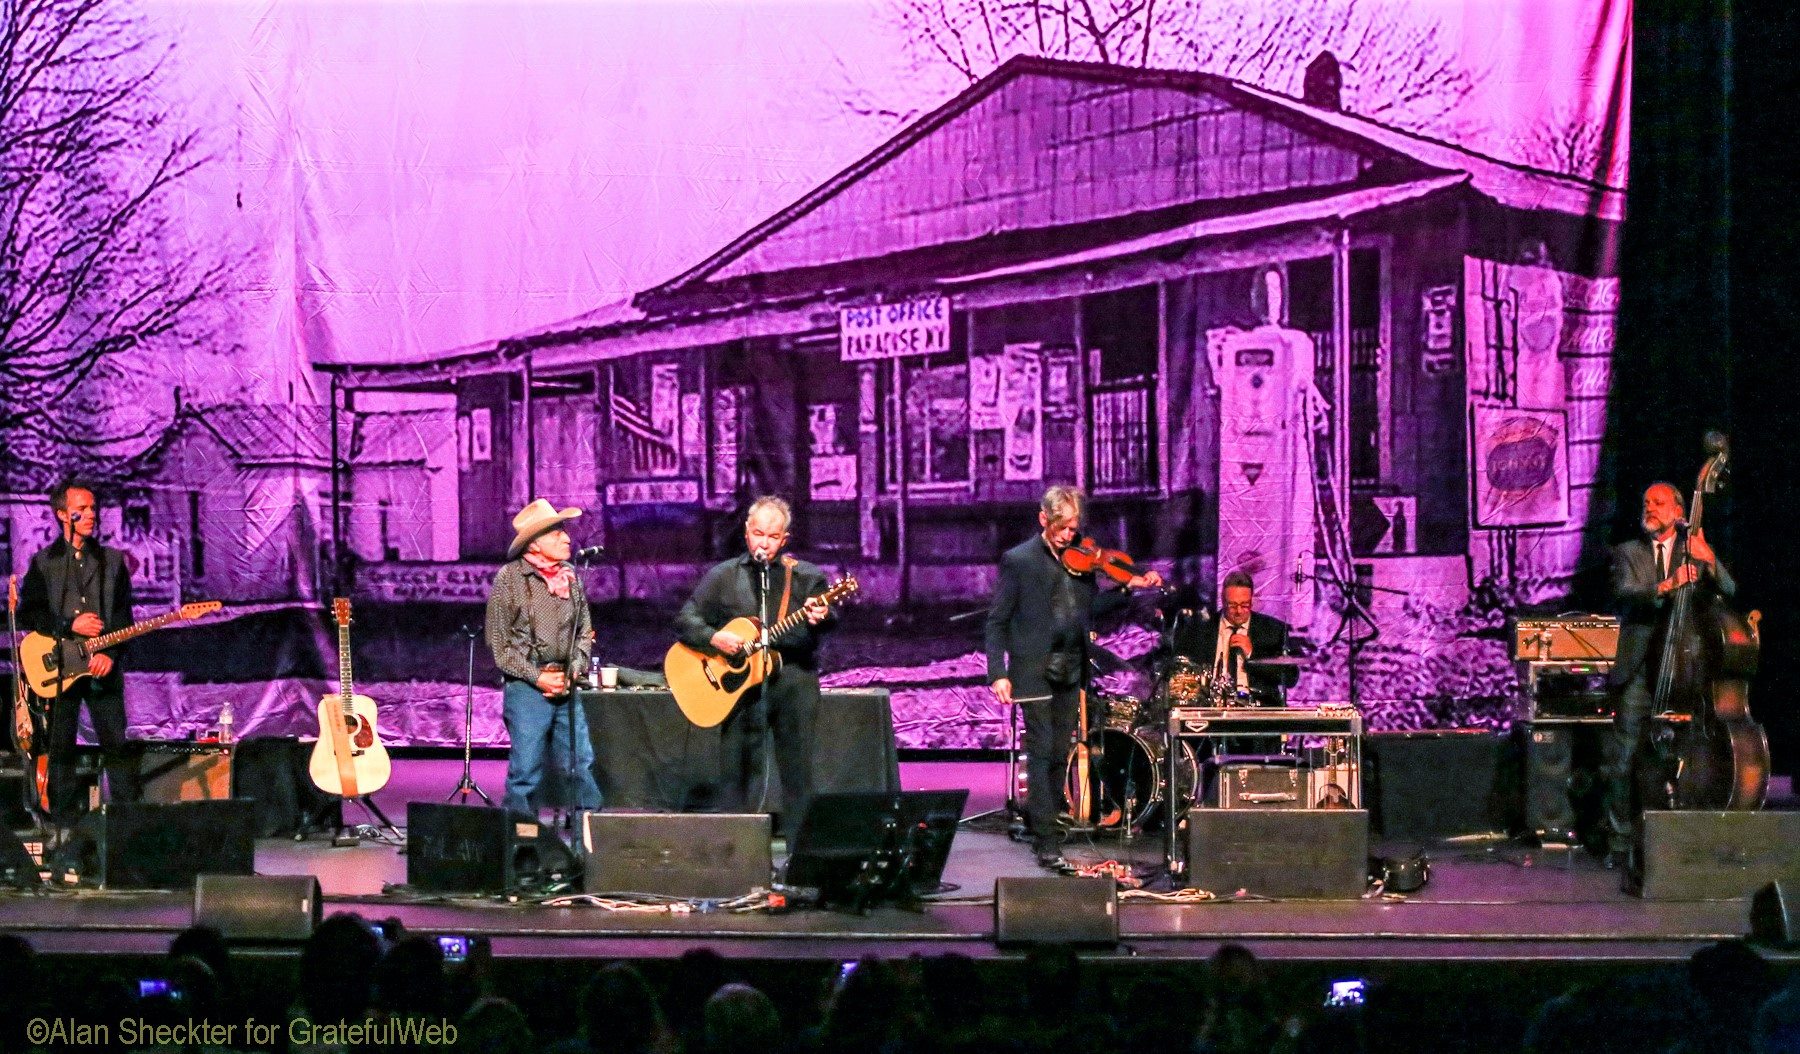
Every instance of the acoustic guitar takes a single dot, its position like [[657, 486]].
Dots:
[[51, 668], [33, 751], [708, 685], [349, 759]]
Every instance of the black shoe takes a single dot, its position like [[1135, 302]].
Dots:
[[1050, 859]]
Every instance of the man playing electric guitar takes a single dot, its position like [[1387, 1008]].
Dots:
[[765, 585], [74, 588]]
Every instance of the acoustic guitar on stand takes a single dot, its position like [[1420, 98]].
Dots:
[[51, 666], [707, 685], [349, 759]]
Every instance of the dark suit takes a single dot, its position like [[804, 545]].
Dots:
[[787, 703], [57, 587], [1198, 642], [1040, 610], [1642, 614]]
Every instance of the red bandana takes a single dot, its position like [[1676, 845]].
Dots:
[[557, 575]]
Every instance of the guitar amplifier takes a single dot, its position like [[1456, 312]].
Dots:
[[1590, 638], [185, 771]]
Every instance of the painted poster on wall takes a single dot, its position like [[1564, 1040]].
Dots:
[[1022, 409], [1520, 467]]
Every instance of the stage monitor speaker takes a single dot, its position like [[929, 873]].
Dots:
[[1693, 855], [258, 907], [17, 868], [1549, 775], [1317, 854], [142, 845], [1429, 785], [700, 856], [476, 849], [1775, 914], [172, 772], [860, 847], [1056, 911]]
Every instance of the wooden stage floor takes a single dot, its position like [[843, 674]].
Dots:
[[1488, 900]]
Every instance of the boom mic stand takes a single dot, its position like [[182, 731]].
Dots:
[[1353, 609], [467, 783]]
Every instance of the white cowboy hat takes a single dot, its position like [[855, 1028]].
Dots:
[[533, 520]]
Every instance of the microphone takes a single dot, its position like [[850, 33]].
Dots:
[[1299, 568], [589, 552]]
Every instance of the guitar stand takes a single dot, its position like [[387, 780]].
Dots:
[[344, 836]]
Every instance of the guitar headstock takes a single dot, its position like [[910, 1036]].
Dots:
[[842, 588], [340, 610], [198, 609]]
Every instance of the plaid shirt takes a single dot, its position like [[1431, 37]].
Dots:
[[527, 628]]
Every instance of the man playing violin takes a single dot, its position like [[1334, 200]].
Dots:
[[1646, 572], [1037, 638]]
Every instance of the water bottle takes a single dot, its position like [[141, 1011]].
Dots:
[[593, 671], [225, 722]]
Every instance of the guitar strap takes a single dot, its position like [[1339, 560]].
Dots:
[[787, 588]]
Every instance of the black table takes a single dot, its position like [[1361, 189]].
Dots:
[[648, 755]]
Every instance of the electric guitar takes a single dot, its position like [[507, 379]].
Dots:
[[348, 760], [50, 669], [708, 685]]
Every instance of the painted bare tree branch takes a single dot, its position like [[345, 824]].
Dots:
[[1400, 68], [88, 264]]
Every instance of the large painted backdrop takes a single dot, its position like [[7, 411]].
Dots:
[[317, 294]]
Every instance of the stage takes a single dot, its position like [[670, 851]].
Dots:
[[1488, 899]]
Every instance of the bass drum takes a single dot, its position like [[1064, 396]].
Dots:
[[1129, 771]]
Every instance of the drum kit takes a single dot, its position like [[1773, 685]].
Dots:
[[1128, 741]]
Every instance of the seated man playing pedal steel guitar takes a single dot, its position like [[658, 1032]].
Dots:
[[1225, 644]]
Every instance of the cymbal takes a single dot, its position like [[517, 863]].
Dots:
[[1108, 661], [1281, 662]]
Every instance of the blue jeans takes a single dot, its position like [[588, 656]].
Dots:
[[540, 732]]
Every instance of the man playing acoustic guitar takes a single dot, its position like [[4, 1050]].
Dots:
[[74, 588], [766, 585]]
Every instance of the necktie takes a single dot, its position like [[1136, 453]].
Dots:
[[1662, 561], [1234, 658]]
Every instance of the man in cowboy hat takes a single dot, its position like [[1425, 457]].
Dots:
[[540, 631]]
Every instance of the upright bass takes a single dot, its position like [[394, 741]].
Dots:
[[1709, 655]]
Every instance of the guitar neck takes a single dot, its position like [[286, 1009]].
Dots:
[[345, 687], [136, 629]]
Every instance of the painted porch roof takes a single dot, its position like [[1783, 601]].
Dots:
[[1073, 128]]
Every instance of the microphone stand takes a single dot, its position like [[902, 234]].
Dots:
[[467, 783], [569, 799], [1353, 608]]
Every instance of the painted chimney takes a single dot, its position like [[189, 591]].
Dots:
[[1324, 84]]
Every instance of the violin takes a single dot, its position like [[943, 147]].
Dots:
[[1087, 557]]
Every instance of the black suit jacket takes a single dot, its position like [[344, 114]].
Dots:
[[42, 596], [731, 590], [1040, 608], [1197, 640], [1641, 612]]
